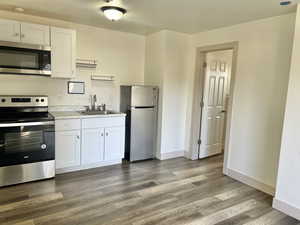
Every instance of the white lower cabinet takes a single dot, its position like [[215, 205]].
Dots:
[[92, 146], [102, 144], [87, 143], [67, 149], [114, 143]]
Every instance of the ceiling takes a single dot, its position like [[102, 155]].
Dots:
[[147, 16]]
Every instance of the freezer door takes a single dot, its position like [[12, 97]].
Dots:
[[143, 96], [142, 133]]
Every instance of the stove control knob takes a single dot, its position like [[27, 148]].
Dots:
[[37, 100], [3, 100], [42, 100], [43, 146]]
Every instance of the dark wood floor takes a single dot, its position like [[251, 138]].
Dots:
[[176, 191]]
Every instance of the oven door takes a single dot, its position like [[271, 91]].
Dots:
[[22, 143], [20, 60]]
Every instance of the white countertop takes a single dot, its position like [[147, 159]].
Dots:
[[59, 115]]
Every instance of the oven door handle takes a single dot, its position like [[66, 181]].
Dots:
[[30, 124]]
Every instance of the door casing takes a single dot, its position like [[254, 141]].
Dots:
[[198, 95]]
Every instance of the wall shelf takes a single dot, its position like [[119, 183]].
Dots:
[[103, 77], [86, 63]]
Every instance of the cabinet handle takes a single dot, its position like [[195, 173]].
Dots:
[[16, 34], [102, 134], [78, 137], [106, 134], [22, 35]]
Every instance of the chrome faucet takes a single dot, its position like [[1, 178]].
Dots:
[[93, 102]]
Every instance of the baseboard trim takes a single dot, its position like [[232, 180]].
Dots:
[[90, 166], [186, 155], [250, 181], [286, 208], [171, 155]]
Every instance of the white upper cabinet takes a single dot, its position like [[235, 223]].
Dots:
[[63, 52], [35, 34], [10, 30], [27, 33]]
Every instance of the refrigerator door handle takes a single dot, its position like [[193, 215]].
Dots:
[[143, 107]]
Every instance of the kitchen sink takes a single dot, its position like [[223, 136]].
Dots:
[[96, 112]]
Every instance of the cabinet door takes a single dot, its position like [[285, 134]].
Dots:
[[114, 143], [67, 149], [35, 34], [63, 52], [9, 30], [92, 146]]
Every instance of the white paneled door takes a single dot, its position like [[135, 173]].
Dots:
[[217, 75]]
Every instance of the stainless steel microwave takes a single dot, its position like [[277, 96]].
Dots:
[[25, 59]]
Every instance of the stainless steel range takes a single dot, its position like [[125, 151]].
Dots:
[[27, 139]]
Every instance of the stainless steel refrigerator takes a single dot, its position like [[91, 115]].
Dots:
[[140, 105]]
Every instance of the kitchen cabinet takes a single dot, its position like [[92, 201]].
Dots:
[[83, 143], [67, 149], [114, 143], [67, 143], [10, 30], [63, 52], [92, 146], [35, 34], [103, 139], [26, 33]]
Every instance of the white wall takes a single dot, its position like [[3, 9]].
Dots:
[[287, 196], [259, 93], [154, 74], [166, 60], [120, 54]]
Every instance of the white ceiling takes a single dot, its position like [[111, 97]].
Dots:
[[146, 16]]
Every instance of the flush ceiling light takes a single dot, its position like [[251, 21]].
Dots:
[[113, 13], [284, 3]]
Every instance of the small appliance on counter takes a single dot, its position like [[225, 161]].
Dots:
[[27, 139], [140, 105]]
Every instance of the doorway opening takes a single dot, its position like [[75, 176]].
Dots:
[[213, 92]]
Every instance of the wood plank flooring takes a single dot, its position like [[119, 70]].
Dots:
[[175, 192]]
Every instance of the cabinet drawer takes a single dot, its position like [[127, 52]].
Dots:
[[70, 124], [103, 122]]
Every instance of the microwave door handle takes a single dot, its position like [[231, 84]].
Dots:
[[3, 125]]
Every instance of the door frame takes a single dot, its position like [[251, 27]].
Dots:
[[198, 96]]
